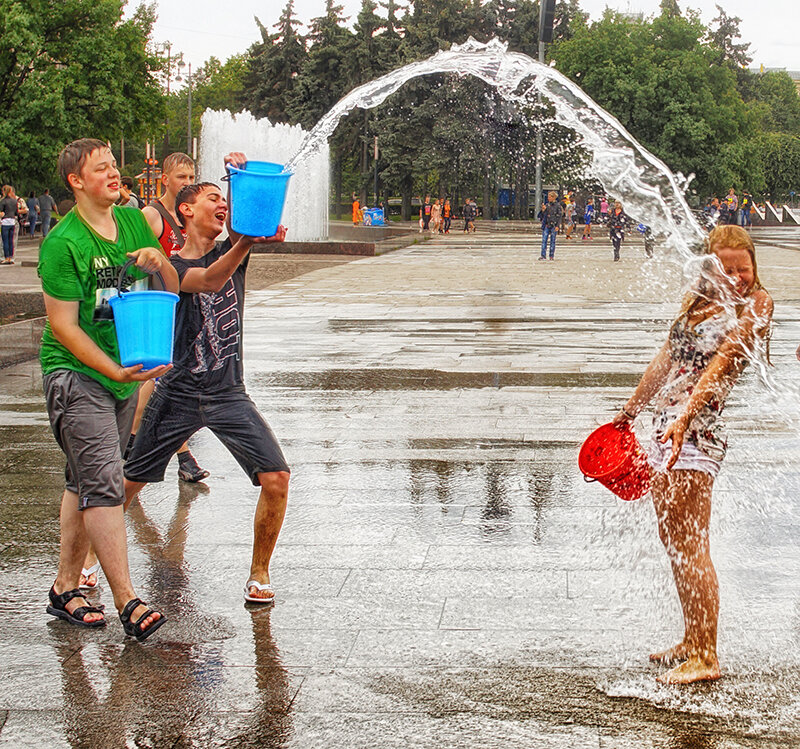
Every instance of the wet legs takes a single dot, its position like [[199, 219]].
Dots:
[[682, 501]]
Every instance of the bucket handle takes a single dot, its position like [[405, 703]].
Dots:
[[229, 169], [122, 278]]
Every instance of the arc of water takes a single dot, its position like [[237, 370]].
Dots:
[[629, 171]]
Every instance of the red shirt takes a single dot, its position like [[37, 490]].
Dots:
[[167, 238]]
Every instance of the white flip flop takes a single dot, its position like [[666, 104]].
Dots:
[[93, 570], [261, 587]]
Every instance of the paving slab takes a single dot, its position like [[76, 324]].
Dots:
[[445, 577]]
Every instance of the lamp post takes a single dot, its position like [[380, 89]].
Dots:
[[189, 118], [375, 171], [189, 149], [546, 13], [166, 47]]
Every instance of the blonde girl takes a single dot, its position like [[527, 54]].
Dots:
[[723, 324]]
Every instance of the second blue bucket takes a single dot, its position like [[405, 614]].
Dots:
[[257, 195], [145, 323]]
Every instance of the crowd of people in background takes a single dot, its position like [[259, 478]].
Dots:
[[19, 214], [437, 216], [731, 210], [563, 215]]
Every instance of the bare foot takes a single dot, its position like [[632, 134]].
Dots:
[[692, 670], [671, 656]]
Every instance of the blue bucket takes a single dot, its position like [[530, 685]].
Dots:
[[257, 195], [145, 323]]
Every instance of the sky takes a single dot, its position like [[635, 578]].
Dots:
[[201, 28]]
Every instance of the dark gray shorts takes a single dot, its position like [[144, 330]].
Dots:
[[90, 426], [170, 418]]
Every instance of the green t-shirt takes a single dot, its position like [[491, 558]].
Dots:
[[78, 265]]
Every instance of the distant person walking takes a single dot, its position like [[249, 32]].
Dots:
[[447, 215], [551, 215], [470, 212], [8, 219], [747, 205], [356, 209], [33, 213], [436, 216], [588, 217], [425, 213], [733, 206], [603, 209], [22, 214], [569, 215], [46, 207], [618, 221]]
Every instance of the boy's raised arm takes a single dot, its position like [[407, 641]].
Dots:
[[213, 278]]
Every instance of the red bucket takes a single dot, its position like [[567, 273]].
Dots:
[[613, 456]]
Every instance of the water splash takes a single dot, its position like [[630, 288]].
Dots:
[[628, 171], [305, 212]]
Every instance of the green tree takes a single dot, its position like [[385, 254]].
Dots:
[[781, 154], [774, 99], [662, 79], [273, 66], [214, 86], [327, 72], [70, 70], [724, 37], [432, 25]]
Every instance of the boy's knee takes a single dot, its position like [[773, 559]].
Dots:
[[275, 482]]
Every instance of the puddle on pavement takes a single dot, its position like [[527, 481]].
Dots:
[[435, 379]]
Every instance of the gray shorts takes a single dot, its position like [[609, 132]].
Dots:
[[90, 426]]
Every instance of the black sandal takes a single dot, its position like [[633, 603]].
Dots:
[[58, 608], [134, 629]]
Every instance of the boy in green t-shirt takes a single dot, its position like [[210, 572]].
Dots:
[[90, 396]]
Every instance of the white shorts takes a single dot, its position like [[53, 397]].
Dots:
[[690, 459]]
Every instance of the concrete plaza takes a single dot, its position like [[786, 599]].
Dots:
[[445, 577]]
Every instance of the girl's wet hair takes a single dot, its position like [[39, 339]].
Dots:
[[730, 237], [726, 237]]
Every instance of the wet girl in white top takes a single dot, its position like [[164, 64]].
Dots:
[[723, 324]]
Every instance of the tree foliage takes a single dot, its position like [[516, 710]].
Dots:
[[70, 70], [272, 68], [215, 85], [671, 86]]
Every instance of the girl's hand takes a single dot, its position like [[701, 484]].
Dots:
[[676, 432], [622, 418]]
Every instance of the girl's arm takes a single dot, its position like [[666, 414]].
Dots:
[[724, 366], [652, 381]]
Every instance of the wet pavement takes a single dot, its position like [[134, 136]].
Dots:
[[445, 577]]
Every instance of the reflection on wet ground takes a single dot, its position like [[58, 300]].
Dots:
[[445, 577], [430, 379]]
